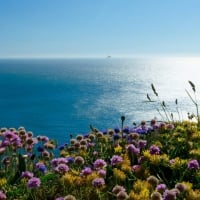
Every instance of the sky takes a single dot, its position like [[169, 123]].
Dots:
[[95, 28]]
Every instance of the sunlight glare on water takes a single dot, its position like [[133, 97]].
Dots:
[[64, 96]]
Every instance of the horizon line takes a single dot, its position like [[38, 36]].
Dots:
[[109, 56]]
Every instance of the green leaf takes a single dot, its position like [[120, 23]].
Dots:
[[21, 168]]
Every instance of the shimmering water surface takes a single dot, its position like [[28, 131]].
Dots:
[[57, 97]]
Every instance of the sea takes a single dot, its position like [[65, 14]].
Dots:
[[63, 97]]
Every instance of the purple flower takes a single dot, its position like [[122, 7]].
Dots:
[[62, 161], [169, 195], [98, 182], [170, 126], [142, 143], [132, 149], [2, 150], [61, 147], [172, 161], [27, 174], [5, 143], [122, 195], [161, 188], [95, 153], [102, 172], [41, 167], [9, 135], [116, 160], [44, 139], [126, 130], [116, 130], [193, 164], [2, 195], [154, 150], [116, 136], [118, 188], [181, 187], [99, 163], [136, 168], [70, 160], [86, 171], [61, 168], [60, 198], [40, 148], [90, 144], [162, 125], [34, 183], [140, 130], [54, 162]]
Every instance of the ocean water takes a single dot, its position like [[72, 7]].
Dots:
[[59, 97]]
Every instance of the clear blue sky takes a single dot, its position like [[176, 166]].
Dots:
[[99, 27]]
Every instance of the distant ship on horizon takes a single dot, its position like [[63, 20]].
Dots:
[[108, 56]]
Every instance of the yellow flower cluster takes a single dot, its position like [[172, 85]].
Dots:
[[178, 163], [147, 154], [73, 178], [139, 185], [118, 149], [195, 152], [180, 139], [144, 195], [141, 190], [156, 159], [68, 179], [194, 195], [196, 136], [3, 182], [126, 164], [90, 177], [119, 174]]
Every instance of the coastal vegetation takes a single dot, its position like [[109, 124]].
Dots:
[[156, 160]]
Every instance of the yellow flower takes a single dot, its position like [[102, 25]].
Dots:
[[126, 168], [196, 136], [118, 174], [126, 164], [194, 195], [75, 172], [139, 185], [126, 160], [177, 163], [78, 181], [188, 185], [146, 173], [164, 159], [146, 154], [64, 153], [3, 182], [83, 153], [144, 195], [91, 177], [159, 159], [68, 179], [180, 139], [155, 159], [195, 152], [118, 149]]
